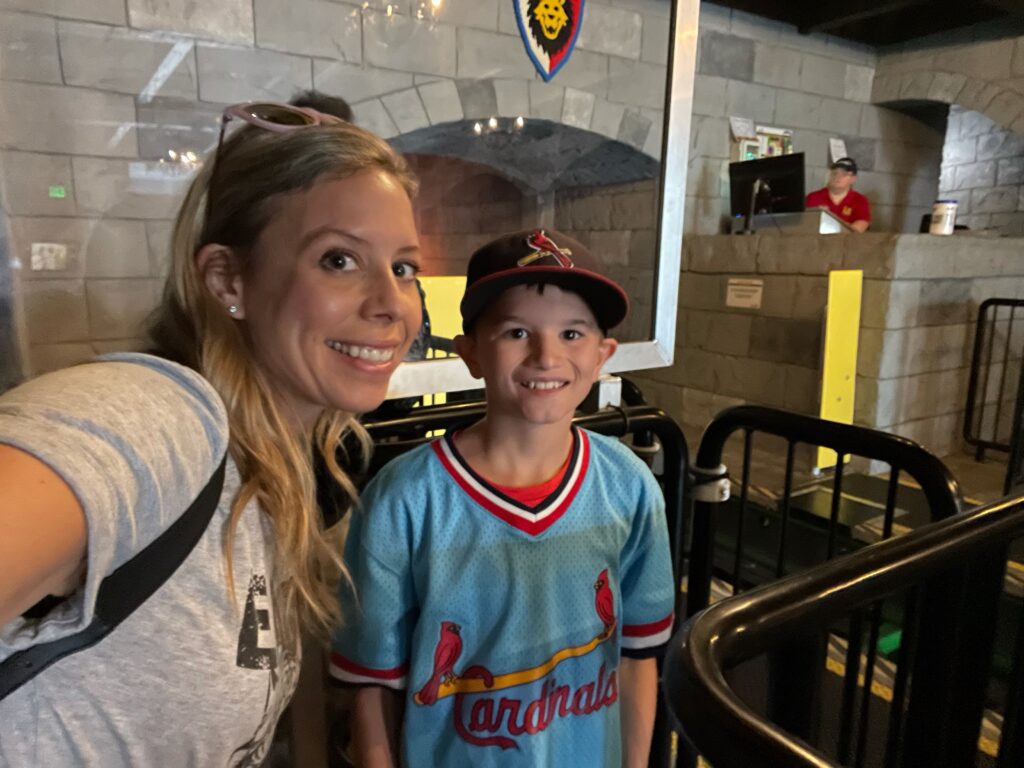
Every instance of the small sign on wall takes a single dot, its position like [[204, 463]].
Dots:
[[744, 293], [837, 149], [742, 128]]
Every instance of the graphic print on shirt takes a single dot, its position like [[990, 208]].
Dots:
[[258, 650], [489, 717]]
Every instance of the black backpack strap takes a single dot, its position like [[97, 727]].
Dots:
[[124, 590]]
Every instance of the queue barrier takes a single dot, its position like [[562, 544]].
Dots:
[[994, 409], [788, 545], [950, 581]]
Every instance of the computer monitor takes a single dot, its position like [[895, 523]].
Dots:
[[767, 185]]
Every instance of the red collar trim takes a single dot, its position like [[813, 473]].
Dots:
[[530, 521]]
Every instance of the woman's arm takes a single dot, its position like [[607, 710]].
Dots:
[[376, 726], [638, 702], [42, 533]]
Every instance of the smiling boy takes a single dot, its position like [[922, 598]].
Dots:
[[514, 578]]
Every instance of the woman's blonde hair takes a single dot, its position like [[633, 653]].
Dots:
[[251, 171]]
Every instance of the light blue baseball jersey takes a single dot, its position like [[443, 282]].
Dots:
[[504, 624]]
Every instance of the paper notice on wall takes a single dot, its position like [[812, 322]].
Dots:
[[837, 149], [744, 293], [742, 128]]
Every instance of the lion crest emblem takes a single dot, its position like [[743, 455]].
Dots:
[[549, 29]]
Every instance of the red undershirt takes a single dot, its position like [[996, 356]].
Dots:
[[532, 495]]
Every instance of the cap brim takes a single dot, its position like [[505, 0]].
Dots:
[[605, 298]]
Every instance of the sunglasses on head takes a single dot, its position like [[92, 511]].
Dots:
[[270, 116]]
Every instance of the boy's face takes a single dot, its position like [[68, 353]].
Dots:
[[538, 353]]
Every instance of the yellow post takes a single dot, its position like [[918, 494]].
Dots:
[[443, 297], [839, 364]]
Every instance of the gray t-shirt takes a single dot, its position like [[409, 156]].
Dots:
[[191, 678]]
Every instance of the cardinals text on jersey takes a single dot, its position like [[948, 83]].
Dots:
[[493, 716]]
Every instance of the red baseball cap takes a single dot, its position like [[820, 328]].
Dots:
[[540, 256]]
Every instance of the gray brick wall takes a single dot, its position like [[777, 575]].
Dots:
[[617, 223], [95, 128], [95, 94], [819, 86], [920, 298], [983, 170]]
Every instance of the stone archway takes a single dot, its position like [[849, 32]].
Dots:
[[985, 77], [975, 90], [452, 101], [484, 177]]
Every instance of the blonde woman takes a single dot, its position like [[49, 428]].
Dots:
[[291, 301]]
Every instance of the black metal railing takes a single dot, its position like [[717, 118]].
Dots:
[[760, 543], [948, 580], [994, 386], [902, 456], [646, 424]]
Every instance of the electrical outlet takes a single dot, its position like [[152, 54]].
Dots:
[[49, 257]]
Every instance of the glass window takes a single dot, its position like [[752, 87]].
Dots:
[[514, 114]]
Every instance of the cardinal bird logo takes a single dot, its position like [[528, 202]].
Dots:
[[447, 652], [545, 248], [604, 602]]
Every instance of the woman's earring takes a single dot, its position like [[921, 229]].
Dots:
[[233, 309]]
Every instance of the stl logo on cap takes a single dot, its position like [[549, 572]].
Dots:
[[549, 29], [543, 248]]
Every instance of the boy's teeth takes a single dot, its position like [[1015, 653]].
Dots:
[[545, 384], [371, 354]]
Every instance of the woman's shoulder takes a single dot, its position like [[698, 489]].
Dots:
[[126, 431], [134, 437], [122, 389]]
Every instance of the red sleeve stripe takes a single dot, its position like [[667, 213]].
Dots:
[[647, 641], [351, 672], [643, 630]]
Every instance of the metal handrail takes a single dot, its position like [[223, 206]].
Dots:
[[938, 485], [728, 732], [974, 412]]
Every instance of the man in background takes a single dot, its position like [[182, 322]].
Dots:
[[840, 198], [321, 102]]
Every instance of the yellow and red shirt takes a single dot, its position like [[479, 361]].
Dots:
[[853, 207]]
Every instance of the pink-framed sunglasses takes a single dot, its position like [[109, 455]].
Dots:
[[270, 116]]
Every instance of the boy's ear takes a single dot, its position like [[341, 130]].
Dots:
[[220, 272], [465, 347], [605, 351]]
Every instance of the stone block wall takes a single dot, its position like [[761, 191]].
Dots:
[[95, 94], [915, 356], [977, 68], [819, 86], [462, 206], [920, 302], [979, 72], [728, 356], [983, 170], [618, 224]]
